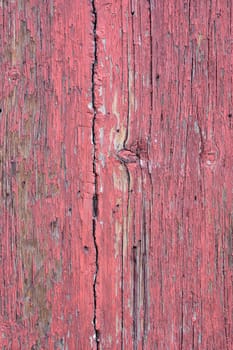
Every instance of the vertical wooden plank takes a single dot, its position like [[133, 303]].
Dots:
[[47, 182], [164, 174]]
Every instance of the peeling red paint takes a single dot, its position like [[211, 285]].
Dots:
[[116, 175]]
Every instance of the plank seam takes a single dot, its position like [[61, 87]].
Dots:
[[95, 196]]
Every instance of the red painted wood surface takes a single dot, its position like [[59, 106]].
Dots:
[[116, 175]]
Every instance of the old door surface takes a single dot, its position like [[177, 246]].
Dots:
[[116, 221]]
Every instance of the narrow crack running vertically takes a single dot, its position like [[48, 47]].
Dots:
[[95, 196]]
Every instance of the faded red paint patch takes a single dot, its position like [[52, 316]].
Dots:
[[47, 180], [116, 168]]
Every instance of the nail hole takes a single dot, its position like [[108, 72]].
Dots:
[[157, 77], [86, 248], [0, 110], [61, 341], [132, 13], [54, 224], [229, 115], [117, 130], [161, 117], [97, 336], [195, 198]]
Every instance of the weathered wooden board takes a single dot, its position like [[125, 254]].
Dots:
[[116, 216]]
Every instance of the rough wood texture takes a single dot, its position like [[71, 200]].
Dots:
[[116, 183]]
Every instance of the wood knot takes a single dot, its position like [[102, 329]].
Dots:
[[127, 156], [13, 74], [209, 154]]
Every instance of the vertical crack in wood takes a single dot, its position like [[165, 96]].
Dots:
[[151, 69], [193, 328], [145, 277], [225, 292], [122, 240], [128, 98], [189, 7], [182, 319], [95, 196], [135, 298], [122, 256]]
